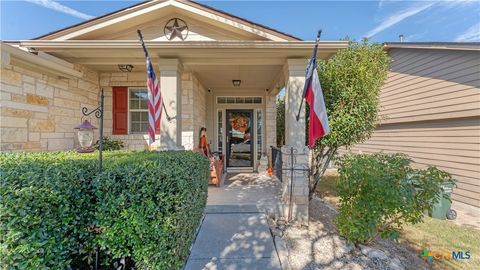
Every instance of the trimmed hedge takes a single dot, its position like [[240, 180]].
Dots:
[[55, 208]]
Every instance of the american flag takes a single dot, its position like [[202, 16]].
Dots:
[[154, 97]]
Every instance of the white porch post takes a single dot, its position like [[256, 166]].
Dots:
[[295, 79], [295, 189], [170, 85]]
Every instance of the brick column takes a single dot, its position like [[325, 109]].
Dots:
[[295, 190]]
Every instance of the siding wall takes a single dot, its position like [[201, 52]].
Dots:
[[431, 111]]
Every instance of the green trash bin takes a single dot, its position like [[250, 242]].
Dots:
[[441, 210]]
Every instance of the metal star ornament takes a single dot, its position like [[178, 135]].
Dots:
[[175, 28]]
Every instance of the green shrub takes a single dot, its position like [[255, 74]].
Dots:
[[146, 205], [109, 145], [149, 208], [351, 82], [380, 192], [44, 209]]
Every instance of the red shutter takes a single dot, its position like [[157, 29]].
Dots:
[[120, 110]]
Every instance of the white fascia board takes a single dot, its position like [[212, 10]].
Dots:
[[225, 20], [140, 10], [126, 44], [107, 21], [16, 55]]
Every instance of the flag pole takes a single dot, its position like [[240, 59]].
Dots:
[[306, 85], [140, 36]]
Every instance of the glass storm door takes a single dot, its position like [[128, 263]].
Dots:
[[239, 138]]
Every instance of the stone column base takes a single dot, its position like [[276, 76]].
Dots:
[[295, 184]]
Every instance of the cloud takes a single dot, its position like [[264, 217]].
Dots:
[[457, 3], [380, 3], [414, 37], [471, 34], [397, 18], [50, 4]]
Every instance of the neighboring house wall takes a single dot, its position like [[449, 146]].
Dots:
[[430, 111], [39, 111]]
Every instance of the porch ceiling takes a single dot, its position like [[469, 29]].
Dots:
[[216, 63], [104, 55], [253, 77]]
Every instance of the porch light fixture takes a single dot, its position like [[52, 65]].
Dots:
[[236, 83], [125, 68], [85, 137]]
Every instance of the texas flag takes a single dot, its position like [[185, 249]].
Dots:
[[312, 92]]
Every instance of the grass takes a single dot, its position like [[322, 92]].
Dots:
[[436, 235], [444, 236]]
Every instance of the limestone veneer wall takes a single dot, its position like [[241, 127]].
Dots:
[[193, 110], [39, 111], [130, 79], [193, 107], [270, 122]]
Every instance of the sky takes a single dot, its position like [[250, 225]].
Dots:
[[381, 21]]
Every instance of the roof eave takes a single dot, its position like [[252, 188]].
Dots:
[[125, 44], [67, 30], [460, 46]]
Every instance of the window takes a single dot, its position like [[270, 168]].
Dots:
[[138, 110], [220, 130], [259, 133], [239, 100]]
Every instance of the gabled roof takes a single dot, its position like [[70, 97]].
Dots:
[[259, 29]]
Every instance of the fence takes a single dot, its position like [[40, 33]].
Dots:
[[277, 162]]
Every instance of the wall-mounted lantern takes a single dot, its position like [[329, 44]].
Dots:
[[236, 83], [85, 137], [125, 68]]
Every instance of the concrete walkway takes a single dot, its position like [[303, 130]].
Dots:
[[235, 234]]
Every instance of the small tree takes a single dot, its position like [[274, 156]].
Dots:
[[351, 82]]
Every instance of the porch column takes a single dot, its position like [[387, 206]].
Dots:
[[170, 85], [294, 71], [295, 153]]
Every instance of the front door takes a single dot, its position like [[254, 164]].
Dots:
[[240, 138]]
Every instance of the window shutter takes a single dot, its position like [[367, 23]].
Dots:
[[120, 110]]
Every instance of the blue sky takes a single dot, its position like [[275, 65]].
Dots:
[[382, 21]]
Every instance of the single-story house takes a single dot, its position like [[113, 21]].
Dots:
[[216, 70], [430, 110], [222, 72]]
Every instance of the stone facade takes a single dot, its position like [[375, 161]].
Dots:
[[39, 111], [270, 122], [193, 109], [295, 190], [129, 79]]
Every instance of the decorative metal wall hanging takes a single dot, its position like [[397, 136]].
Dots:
[[176, 28]]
